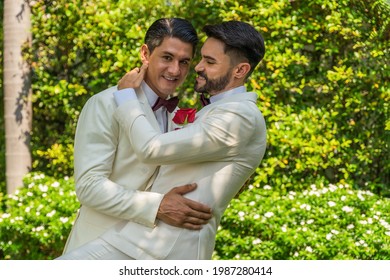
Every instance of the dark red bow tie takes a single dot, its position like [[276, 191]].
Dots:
[[204, 100], [170, 104]]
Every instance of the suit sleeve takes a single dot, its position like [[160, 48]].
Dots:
[[94, 152], [209, 139]]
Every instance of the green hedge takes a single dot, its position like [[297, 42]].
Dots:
[[332, 222], [323, 84], [323, 222], [38, 218]]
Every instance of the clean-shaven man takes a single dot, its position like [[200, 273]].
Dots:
[[219, 151], [110, 179]]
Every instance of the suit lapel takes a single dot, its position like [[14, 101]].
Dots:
[[170, 117], [146, 108]]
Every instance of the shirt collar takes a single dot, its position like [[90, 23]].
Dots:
[[151, 96], [228, 93]]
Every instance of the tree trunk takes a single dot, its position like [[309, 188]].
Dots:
[[17, 92]]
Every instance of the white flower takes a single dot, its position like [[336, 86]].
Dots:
[[284, 228], [64, 219], [241, 214], [329, 236], [40, 228], [369, 231], [310, 221], [256, 216], [305, 206], [256, 241], [252, 203], [267, 187], [27, 210], [343, 198], [347, 209], [387, 233], [309, 249], [332, 188], [361, 197], [351, 226], [296, 254], [51, 214], [6, 215], [43, 188], [55, 184], [268, 214], [331, 203], [334, 231], [39, 176]]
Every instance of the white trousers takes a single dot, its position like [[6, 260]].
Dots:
[[97, 249]]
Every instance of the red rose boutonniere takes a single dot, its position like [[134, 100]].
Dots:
[[184, 116]]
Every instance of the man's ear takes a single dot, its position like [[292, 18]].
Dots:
[[145, 53], [241, 70]]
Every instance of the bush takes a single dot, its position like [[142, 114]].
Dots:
[[323, 84], [38, 218], [333, 222], [321, 223]]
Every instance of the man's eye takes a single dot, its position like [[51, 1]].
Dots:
[[167, 58], [185, 62]]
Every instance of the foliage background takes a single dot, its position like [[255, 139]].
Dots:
[[323, 88]]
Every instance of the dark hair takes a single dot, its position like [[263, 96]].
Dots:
[[170, 27], [242, 41]]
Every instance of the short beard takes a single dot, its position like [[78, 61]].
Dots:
[[215, 85]]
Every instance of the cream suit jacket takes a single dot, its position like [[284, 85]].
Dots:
[[110, 179], [219, 152]]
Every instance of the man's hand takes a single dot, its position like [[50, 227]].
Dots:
[[178, 211], [133, 78]]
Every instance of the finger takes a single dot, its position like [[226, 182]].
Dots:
[[196, 221], [143, 68], [185, 188], [191, 226], [200, 209]]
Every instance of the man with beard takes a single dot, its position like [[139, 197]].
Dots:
[[219, 150]]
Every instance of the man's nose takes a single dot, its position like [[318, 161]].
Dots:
[[198, 67], [174, 68]]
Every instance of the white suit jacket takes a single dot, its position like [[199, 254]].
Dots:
[[219, 152], [110, 179]]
